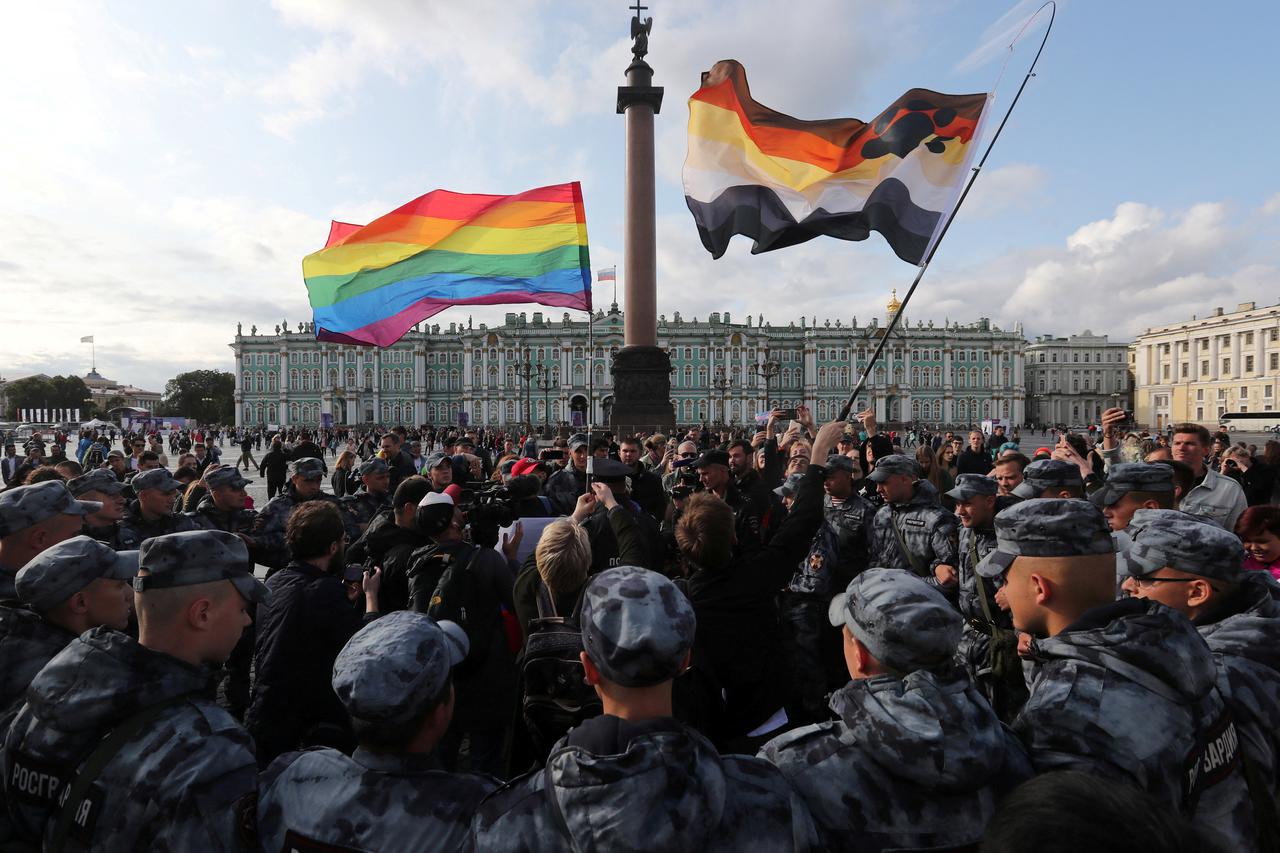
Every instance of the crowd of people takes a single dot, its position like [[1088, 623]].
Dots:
[[805, 636]]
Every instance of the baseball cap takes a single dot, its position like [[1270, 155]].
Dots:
[[637, 626], [789, 486], [524, 466], [969, 486], [62, 570], [156, 478], [1047, 474], [225, 477], [194, 557], [1047, 527], [308, 468], [435, 511], [894, 463], [97, 480], [1125, 477], [26, 506], [905, 623], [1183, 542], [839, 462], [436, 459], [393, 666], [712, 457], [373, 467], [577, 440]]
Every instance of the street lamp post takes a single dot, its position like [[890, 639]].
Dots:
[[544, 385], [766, 370], [525, 370], [721, 384]]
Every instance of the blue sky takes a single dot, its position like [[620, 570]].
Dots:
[[167, 165]]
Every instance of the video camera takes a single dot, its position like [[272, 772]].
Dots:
[[685, 484], [488, 507]]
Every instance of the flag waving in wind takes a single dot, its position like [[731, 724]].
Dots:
[[782, 181], [370, 284]]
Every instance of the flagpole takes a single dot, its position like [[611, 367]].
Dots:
[[924, 264]]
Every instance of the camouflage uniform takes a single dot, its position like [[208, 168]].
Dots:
[[1242, 630], [913, 761], [114, 534], [1045, 474], [25, 506], [385, 676], [929, 531], [135, 528], [173, 784], [269, 529], [1127, 691], [359, 509], [612, 784], [1122, 478]]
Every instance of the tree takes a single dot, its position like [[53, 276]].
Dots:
[[47, 392], [206, 395]]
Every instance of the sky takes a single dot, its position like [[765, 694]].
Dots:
[[164, 167]]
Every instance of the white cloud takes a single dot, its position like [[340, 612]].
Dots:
[[1271, 206], [1017, 186]]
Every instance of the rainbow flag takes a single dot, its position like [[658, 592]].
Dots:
[[371, 283], [781, 181]]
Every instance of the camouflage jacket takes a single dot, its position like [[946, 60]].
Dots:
[[28, 641], [268, 530], [929, 531], [974, 545], [368, 801], [115, 535], [8, 582], [1127, 691], [359, 509], [135, 528], [923, 758], [171, 787], [657, 785], [1246, 646], [207, 516]]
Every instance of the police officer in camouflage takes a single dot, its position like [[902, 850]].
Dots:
[[916, 757], [393, 677], [839, 553], [988, 647], [1125, 689], [305, 477], [1050, 478], [104, 525], [1132, 486], [151, 512], [912, 531], [33, 518], [362, 507], [152, 764], [223, 508], [634, 778], [1194, 567]]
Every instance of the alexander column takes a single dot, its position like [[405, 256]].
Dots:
[[641, 371]]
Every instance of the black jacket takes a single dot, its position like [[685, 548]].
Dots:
[[738, 616], [390, 546], [274, 465], [300, 631], [973, 462]]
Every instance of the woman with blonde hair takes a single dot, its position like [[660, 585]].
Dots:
[[343, 474]]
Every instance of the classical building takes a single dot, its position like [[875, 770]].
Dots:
[[1203, 368], [541, 370], [1072, 380], [110, 395]]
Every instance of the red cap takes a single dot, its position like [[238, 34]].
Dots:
[[454, 491], [523, 466]]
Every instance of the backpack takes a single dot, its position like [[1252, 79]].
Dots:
[[455, 596], [554, 698]]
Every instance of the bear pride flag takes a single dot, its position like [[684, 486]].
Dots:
[[781, 181], [370, 284]]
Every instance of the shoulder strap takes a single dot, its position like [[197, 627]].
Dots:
[[97, 762], [979, 579], [546, 603], [557, 813], [902, 543]]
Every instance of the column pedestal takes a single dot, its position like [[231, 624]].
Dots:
[[642, 391]]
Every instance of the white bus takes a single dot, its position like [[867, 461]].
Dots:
[[1250, 422]]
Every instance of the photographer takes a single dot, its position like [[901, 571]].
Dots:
[[300, 630], [603, 509], [1254, 477], [565, 485], [486, 680]]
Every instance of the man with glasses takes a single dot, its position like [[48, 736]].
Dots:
[[1126, 689], [1194, 567], [136, 446]]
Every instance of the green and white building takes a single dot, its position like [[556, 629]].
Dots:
[[540, 369]]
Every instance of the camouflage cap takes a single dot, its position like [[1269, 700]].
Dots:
[[894, 463], [970, 486], [226, 476], [1047, 474], [1179, 541], [907, 624], [60, 571], [374, 467], [26, 506], [637, 627], [839, 462], [1125, 477], [789, 486], [393, 666], [577, 440], [194, 557], [1047, 527], [97, 480], [157, 478], [308, 468], [436, 459]]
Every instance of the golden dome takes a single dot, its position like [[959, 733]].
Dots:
[[894, 304]]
